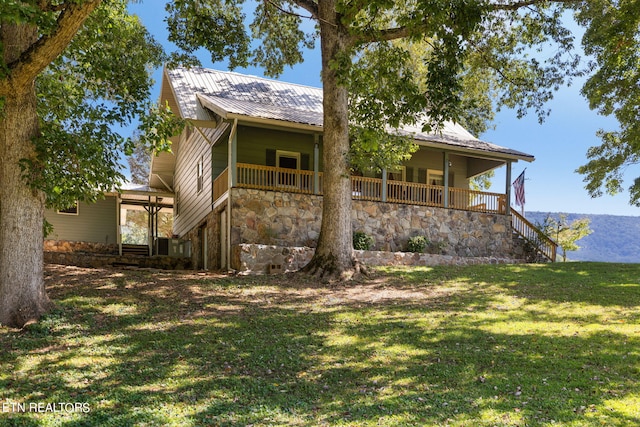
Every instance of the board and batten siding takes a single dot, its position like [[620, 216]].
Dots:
[[95, 222], [253, 144], [194, 204], [219, 158], [425, 159]]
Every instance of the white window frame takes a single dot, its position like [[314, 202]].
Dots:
[[436, 174], [76, 213], [288, 154]]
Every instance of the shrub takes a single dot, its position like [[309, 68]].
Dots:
[[362, 241], [418, 244]]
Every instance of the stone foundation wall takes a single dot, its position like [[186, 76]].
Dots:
[[293, 220], [96, 255], [256, 259], [86, 247], [211, 225], [274, 218]]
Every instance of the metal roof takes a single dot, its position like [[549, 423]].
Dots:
[[143, 190], [238, 95]]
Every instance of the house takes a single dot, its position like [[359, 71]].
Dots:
[[87, 227], [246, 176], [101, 227]]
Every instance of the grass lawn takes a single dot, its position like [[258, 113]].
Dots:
[[498, 345]]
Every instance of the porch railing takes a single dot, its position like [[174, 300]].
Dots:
[[221, 184], [363, 188], [272, 178], [543, 244]]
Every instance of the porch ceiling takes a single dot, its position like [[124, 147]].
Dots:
[[162, 168]]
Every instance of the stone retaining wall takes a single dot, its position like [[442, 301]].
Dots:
[[256, 259], [291, 219], [103, 260]]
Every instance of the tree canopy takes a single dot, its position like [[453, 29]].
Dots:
[[71, 74], [612, 39], [566, 233], [86, 98]]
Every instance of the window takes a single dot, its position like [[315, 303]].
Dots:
[[200, 175], [72, 210], [436, 177], [399, 174]]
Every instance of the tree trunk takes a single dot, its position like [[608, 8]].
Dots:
[[334, 257], [22, 293]]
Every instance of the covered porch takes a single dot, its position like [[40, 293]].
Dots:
[[437, 175], [363, 188], [156, 240]]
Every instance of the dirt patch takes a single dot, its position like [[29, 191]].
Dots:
[[230, 292]]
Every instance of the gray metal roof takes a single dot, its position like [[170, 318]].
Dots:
[[227, 93]]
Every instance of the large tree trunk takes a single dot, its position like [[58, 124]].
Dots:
[[22, 293], [334, 257]]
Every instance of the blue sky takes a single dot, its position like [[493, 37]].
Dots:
[[559, 144]]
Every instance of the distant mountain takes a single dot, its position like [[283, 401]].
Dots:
[[614, 238]]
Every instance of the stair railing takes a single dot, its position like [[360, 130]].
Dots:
[[540, 241]]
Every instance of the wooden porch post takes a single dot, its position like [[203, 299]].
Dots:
[[508, 189], [119, 221], [233, 180], [149, 225], [316, 163], [233, 155], [384, 185], [445, 169]]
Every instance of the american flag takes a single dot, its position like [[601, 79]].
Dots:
[[518, 186]]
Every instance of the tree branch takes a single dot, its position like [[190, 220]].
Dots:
[[308, 5], [46, 49], [288, 12], [402, 32], [381, 35], [46, 6], [525, 3]]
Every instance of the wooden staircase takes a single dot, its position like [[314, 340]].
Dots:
[[544, 245]]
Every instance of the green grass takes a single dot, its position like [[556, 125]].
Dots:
[[498, 345]]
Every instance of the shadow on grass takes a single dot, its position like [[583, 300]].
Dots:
[[166, 349], [589, 282]]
